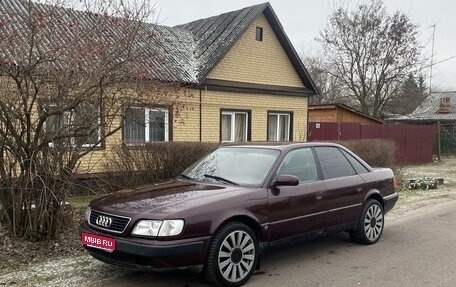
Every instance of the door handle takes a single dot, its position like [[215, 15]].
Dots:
[[359, 188], [319, 196]]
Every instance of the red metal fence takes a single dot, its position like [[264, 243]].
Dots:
[[414, 143]]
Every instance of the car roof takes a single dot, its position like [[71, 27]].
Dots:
[[279, 145]]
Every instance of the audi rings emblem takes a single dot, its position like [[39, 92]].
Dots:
[[103, 221]]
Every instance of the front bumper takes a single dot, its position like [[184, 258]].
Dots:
[[143, 254]]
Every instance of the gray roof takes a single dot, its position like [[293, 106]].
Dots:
[[168, 56], [429, 109], [184, 53], [214, 36]]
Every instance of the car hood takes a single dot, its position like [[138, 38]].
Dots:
[[162, 199]]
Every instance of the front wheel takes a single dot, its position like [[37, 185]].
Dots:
[[232, 255], [370, 225]]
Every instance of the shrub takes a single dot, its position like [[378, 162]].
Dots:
[[153, 162], [376, 152]]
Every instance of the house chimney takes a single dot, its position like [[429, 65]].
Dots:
[[445, 105]]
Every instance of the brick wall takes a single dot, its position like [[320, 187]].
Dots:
[[257, 62], [258, 104], [186, 127]]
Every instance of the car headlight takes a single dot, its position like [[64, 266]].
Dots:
[[159, 228], [147, 227], [87, 213], [171, 227]]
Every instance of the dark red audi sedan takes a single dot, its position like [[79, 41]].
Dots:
[[237, 201]]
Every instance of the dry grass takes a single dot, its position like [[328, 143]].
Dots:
[[410, 200]]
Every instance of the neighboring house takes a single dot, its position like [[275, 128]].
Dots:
[[243, 79], [438, 109], [339, 113]]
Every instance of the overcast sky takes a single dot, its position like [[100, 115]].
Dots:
[[303, 19]]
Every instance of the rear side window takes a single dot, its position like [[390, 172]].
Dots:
[[333, 163], [300, 163], [355, 163]]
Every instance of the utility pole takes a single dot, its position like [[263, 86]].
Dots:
[[432, 58]]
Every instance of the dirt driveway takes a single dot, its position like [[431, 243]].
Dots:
[[82, 270]]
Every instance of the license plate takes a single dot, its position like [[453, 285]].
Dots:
[[97, 241]]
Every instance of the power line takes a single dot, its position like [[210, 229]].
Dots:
[[439, 62], [447, 59]]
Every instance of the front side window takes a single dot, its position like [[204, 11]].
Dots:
[[279, 126], [300, 163], [234, 126], [333, 163], [144, 124]]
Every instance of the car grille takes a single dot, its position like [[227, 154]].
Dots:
[[108, 222]]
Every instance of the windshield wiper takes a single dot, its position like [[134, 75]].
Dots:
[[185, 176], [219, 178]]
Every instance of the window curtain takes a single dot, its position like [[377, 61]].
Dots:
[[272, 128], [241, 128], [86, 121], [284, 127], [226, 128], [135, 125], [157, 125]]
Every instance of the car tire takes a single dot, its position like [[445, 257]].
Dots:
[[370, 225], [232, 256]]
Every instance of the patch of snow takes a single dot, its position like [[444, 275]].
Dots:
[[68, 272]]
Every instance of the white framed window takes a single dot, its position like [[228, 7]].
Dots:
[[279, 126], [234, 126], [144, 124], [79, 127]]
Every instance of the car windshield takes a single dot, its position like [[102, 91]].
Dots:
[[234, 166]]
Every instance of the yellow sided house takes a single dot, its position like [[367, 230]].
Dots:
[[240, 80]]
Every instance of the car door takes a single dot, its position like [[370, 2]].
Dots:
[[297, 209], [344, 187]]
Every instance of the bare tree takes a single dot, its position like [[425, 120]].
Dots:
[[371, 52], [65, 78], [331, 87]]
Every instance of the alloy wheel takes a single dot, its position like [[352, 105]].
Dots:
[[373, 222], [236, 256]]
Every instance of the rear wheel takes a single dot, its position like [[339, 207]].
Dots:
[[232, 255], [370, 225]]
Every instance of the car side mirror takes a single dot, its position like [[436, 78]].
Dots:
[[286, 180]]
